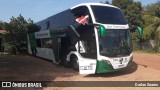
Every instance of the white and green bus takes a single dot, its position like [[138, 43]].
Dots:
[[89, 37]]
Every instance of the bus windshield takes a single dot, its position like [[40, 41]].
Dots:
[[117, 42], [108, 15]]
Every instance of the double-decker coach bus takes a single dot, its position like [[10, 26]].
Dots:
[[89, 37]]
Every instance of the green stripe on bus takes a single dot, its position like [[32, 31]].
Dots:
[[103, 67]]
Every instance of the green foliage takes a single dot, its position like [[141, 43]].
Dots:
[[16, 38], [135, 41], [158, 32], [153, 9], [32, 28], [8, 48], [151, 26], [1, 25], [123, 4], [106, 2], [134, 14]]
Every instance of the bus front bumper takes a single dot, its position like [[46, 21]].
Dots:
[[103, 67]]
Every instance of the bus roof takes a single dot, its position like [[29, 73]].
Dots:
[[82, 4], [98, 4]]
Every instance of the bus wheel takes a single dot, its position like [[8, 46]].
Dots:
[[66, 63], [75, 63]]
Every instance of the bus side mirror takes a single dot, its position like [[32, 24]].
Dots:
[[102, 31], [140, 31]]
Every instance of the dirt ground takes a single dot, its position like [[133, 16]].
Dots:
[[146, 67]]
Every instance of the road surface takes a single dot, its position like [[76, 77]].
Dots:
[[146, 67]]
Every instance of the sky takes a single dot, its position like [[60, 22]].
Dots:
[[38, 10]]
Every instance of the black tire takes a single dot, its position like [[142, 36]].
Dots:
[[66, 63], [75, 63]]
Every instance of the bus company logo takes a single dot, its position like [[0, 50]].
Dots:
[[121, 60], [6, 84]]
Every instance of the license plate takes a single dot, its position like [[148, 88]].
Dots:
[[120, 66]]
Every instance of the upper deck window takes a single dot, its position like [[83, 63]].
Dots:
[[82, 11], [108, 15]]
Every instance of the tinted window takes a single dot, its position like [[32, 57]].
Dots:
[[108, 15], [38, 41], [47, 43], [116, 42], [82, 11]]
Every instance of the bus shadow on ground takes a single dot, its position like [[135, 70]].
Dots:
[[129, 70]]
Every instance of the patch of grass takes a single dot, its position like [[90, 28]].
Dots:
[[147, 51]]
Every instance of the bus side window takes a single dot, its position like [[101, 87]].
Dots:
[[38, 41], [82, 11], [47, 43]]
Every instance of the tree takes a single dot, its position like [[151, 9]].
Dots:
[[17, 34], [157, 11], [31, 27], [134, 14], [151, 18], [122, 4], [106, 2], [1, 25]]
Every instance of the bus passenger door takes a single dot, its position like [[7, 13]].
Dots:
[[87, 66]]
